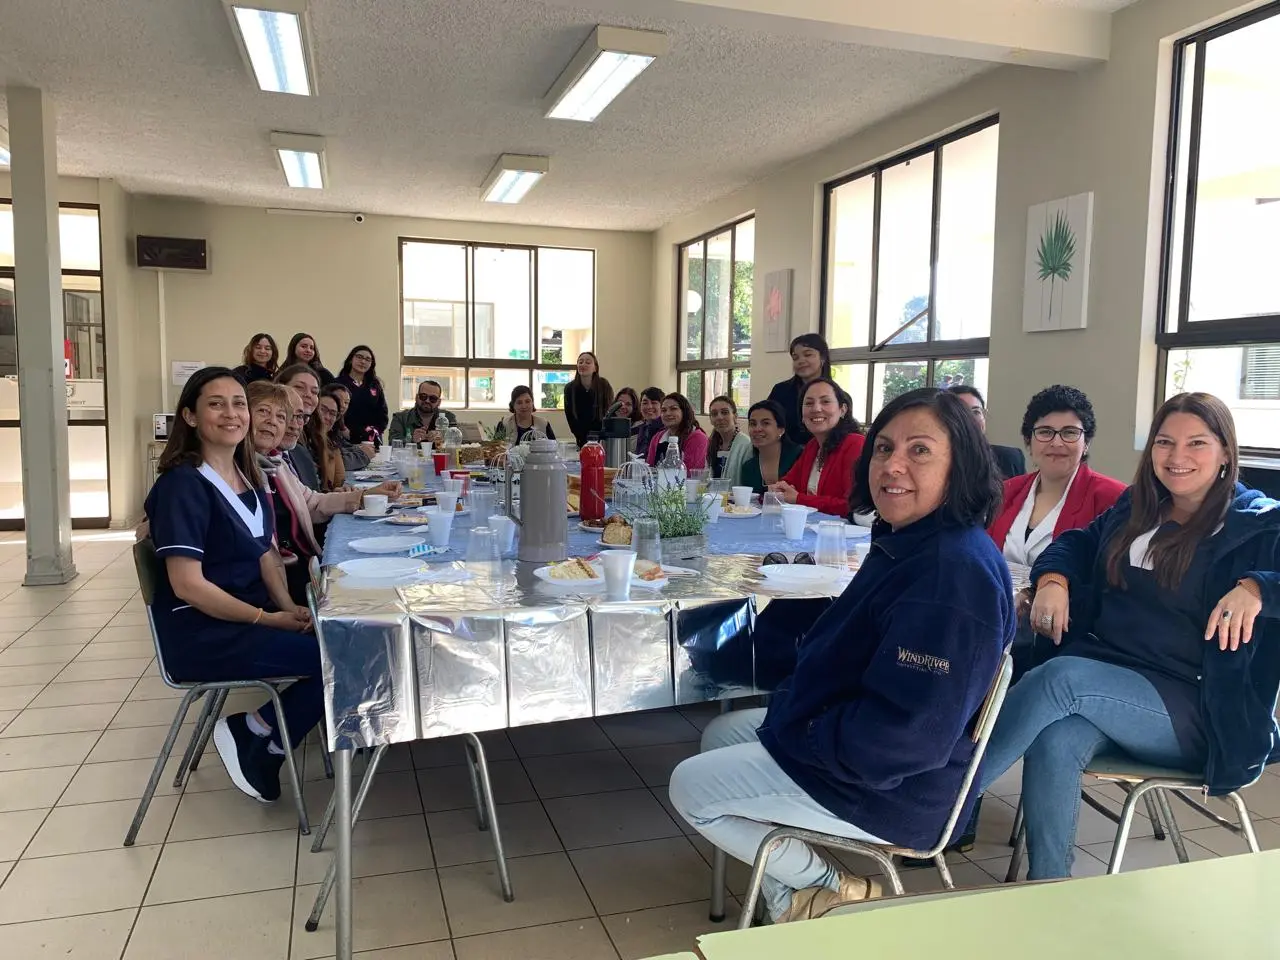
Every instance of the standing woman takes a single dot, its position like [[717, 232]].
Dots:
[[810, 359], [774, 452], [260, 360], [586, 398], [823, 477], [1165, 608], [728, 446], [303, 349], [680, 423], [367, 413], [223, 612]]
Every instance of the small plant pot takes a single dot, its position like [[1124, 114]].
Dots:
[[675, 549]]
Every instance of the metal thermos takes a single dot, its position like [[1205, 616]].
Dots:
[[544, 498], [615, 435]]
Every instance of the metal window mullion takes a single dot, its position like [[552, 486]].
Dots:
[[702, 348], [469, 314], [877, 198], [1193, 172], [535, 345], [931, 331], [733, 278]]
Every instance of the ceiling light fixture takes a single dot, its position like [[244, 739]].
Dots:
[[605, 66], [302, 159], [512, 177], [275, 43]]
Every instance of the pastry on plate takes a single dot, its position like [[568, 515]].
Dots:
[[575, 568], [617, 530], [649, 571], [594, 524]]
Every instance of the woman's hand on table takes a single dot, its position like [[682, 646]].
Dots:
[[786, 491], [295, 619], [1050, 611], [354, 500], [1232, 619]]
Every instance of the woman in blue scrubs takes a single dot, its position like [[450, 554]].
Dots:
[[225, 612]]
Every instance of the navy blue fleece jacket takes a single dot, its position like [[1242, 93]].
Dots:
[[875, 722]]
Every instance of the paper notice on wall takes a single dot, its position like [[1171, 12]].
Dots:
[[184, 369]]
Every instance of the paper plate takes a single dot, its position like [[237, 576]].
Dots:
[[544, 573], [798, 574], [741, 513], [381, 568], [385, 544]]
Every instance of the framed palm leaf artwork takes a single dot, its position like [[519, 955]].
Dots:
[[1056, 285]]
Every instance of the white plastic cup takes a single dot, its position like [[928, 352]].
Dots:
[[376, 504], [711, 503], [505, 528], [691, 489], [742, 496], [619, 568], [861, 549], [425, 447], [448, 501], [439, 526], [793, 518]]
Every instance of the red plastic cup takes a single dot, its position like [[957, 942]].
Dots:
[[441, 461]]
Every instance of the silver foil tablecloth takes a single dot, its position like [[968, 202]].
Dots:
[[505, 649]]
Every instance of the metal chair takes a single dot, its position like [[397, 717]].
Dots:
[[882, 854], [151, 574], [1152, 784]]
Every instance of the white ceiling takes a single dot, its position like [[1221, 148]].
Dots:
[[417, 100]]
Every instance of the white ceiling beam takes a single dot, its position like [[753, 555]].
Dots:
[[1000, 31]]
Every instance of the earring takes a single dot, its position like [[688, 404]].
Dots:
[[1223, 472]]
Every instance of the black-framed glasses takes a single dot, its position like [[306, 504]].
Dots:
[[363, 356], [1068, 434], [428, 398]]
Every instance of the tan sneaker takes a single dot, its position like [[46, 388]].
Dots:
[[816, 901]]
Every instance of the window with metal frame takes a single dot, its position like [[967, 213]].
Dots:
[[908, 249], [482, 319], [1219, 303], [714, 292]]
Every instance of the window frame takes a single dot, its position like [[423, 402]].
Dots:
[[1226, 331], [702, 365], [932, 350], [469, 363]]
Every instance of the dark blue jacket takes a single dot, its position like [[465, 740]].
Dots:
[[1238, 689], [875, 723]]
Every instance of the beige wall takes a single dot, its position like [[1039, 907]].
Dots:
[[1102, 130]]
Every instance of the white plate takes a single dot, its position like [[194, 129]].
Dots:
[[798, 574], [750, 512], [544, 573], [364, 514], [670, 572], [613, 546], [587, 528], [851, 531], [381, 568], [378, 475], [407, 520], [385, 544], [464, 512]]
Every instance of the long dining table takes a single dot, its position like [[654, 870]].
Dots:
[[466, 648]]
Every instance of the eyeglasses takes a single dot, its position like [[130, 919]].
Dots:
[[301, 419], [1068, 434], [363, 356], [428, 398]]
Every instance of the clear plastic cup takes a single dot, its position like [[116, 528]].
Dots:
[[483, 547], [646, 539], [447, 501], [505, 528], [771, 505], [711, 504], [830, 550], [454, 485], [619, 567], [481, 501]]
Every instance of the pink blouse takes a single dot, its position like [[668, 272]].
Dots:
[[693, 451]]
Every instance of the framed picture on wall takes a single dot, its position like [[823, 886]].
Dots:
[[1056, 282], [777, 311]]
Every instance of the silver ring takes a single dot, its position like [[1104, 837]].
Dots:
[[1226, 615], [1046, 620]]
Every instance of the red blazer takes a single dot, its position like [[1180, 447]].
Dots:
[[1091, 494], [835, 484]]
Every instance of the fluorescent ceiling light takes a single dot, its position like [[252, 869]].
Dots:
[[605, 65], [274, 42], [512, 177], [301, 158]]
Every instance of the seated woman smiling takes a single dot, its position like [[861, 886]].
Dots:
[[1155, 605], [869, 738], [774, 453], [823, 477]]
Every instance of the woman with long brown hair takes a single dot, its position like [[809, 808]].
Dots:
[[303, 349], [586, 398], [1164, 607], [681, 424], [223, 610], [260, 360]]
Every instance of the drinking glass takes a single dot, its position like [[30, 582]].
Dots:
[[481, 501], [646, 539], [771, 512], [483, 547], [619, 566], [703, 476], [830, 550]]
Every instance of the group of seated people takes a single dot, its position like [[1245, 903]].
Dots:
[[1148, 626]]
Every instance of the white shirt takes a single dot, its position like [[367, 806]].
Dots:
[[814, 475], [1023, 546]]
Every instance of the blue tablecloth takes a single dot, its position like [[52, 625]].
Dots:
[[749, 535]]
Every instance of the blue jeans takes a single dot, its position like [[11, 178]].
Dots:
[[1059, 717], [734, 794]]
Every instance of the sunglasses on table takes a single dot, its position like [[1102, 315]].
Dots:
[[800, 558]]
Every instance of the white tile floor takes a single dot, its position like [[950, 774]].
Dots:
[[602, 868]]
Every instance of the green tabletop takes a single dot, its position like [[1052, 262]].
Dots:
[[1214, 908]]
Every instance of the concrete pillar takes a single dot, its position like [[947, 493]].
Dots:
[[42, 388]]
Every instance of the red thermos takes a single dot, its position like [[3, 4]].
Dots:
[[591, 458]]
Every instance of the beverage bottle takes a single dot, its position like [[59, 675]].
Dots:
[[671, 469], [591, 457]]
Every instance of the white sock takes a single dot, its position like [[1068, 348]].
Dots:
[[274, 750], [256, 726]]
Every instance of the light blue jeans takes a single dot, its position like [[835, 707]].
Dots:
[[1059, 717], [734, 794]]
